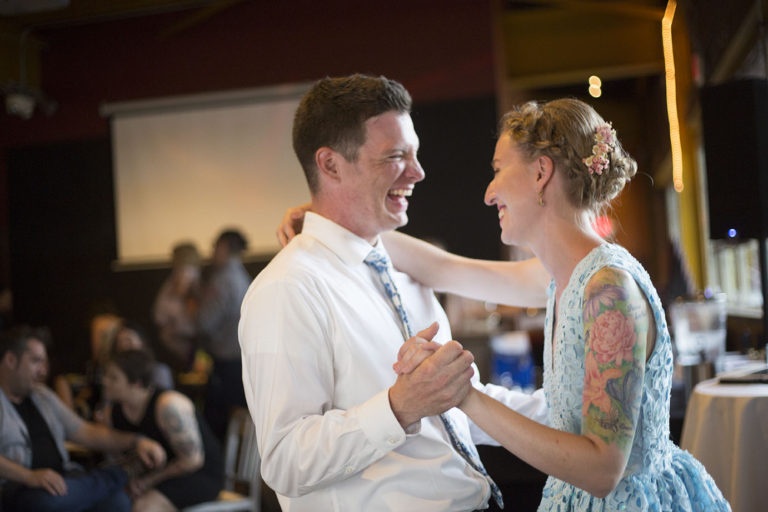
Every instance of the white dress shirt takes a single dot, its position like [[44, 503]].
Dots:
[[318, 338]]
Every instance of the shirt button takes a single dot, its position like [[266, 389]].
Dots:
[[348, 470], [392, 440]]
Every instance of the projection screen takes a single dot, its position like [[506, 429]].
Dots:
[[186, 168]]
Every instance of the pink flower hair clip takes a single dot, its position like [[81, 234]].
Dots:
[[605, 141]]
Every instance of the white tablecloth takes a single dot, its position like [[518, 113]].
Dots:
[[726, 429]]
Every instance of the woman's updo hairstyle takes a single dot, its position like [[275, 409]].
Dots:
[[564, 130]]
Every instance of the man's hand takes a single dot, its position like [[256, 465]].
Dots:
[[440, 382], [416, 349], [47, 479], [136, 487], [150, 452], [292, 223]]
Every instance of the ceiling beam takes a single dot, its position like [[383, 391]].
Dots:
[[576, 76], [632, 9], [557, 46], [80, 12]]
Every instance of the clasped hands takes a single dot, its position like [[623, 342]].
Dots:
[[432, 378]]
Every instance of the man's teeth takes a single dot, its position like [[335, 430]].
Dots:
[[403, 192], [501, 213]]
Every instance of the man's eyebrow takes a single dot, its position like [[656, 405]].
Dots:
[[401, 149]]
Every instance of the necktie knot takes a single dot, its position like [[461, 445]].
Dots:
[[377, 260]]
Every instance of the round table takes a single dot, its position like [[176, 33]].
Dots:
[[726, 429]]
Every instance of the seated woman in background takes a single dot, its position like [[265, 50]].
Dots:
[[87, 400], [129, 336], [194, 472], [76, 389]]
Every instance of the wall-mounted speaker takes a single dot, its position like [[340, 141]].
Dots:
[[735, 122]]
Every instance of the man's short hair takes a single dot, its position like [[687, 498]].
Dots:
[[16, 339], [333, 114], [235, 241]]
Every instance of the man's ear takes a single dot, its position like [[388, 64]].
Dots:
[[9, 360], [327, 161]]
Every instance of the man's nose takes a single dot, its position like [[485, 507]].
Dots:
[[416, 171]]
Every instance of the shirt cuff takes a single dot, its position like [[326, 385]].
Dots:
[[379, 424]]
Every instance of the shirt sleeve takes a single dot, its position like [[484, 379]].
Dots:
[[533, 406], [70, 421], [305, 440]]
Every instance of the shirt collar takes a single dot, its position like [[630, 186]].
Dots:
[[349, 247]]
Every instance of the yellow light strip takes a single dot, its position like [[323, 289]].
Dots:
[[669, 71]]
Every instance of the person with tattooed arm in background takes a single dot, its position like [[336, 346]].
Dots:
[[194, 473]]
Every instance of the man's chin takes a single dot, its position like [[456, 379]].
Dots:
[[402, 220]]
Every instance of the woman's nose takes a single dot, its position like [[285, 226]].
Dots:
[[490, 195]]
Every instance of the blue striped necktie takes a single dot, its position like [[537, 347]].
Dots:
[[378, 262]]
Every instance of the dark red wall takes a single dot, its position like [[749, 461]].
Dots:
[[440, 49]]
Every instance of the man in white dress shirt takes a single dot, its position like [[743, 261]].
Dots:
[[337, 429]]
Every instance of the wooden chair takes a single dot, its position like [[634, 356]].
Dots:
[[241, 469]]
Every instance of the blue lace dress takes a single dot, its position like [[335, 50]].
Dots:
[[659, 475]]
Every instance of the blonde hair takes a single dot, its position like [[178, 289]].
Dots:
[[185, 254], [564, 130]]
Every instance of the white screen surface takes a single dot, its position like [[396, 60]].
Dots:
[[187, 171]]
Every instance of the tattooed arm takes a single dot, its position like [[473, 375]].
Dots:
[[616, 325], [618, 328], [176, 418]]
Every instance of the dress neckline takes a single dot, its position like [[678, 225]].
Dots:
[[556, 318]]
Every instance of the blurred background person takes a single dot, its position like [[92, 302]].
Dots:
[[175, 307], [217, 321], [6, 307], [86, 397], [194, 472], [35, 468], [77, 389], [130, 336]]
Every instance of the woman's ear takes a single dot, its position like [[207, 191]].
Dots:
[[546, 168], [327, 161]]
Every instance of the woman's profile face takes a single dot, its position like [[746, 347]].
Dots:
[[128, 339], [512, 190], [114, 383]]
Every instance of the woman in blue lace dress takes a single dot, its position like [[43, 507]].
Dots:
[[607, 357]]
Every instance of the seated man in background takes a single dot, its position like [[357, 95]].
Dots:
[[35, 469]]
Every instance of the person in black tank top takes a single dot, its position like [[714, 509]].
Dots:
[[194, 472]]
